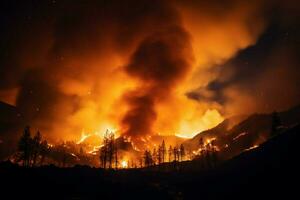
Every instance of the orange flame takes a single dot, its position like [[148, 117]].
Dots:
[[124, 164]]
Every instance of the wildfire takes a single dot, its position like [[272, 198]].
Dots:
[[95, 150], [84, 136], [124, 164], [96, 134], [50, 145], [208, 144], [135, 147], [210, 140]]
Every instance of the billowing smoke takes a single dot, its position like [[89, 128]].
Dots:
[[159, 63], [136, 66], [66, 60], [263, 77]]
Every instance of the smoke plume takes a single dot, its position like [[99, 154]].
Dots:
[[141, 67], [159, 63]]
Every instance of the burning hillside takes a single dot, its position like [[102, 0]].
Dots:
[[148, 71], [134, 75], [232, 136], [165, 99]]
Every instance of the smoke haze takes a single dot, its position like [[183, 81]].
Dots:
[[145, 67]]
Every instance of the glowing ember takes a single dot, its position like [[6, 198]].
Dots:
[[240, 135], [208, 145], [50, 145], [73, 155], [253, 147], [209, 141]]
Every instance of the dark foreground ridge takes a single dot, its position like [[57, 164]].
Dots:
[[270, 170]]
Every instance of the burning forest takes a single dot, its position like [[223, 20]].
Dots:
[[137, 86]]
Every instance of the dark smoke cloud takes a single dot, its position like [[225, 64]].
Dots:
[[262, 78], [138, 121], [159, 63], [48, 47]]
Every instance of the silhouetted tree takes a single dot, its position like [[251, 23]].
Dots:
[[116, 155], [276, 122], [132, 164], [202, 148], [36, 147], [175, 154], [159, 155], [62, 154], [44, 151], [108, 152], [141, 162], [163, 151], [25, 147], [104, 149], [182, 152], [214, 156], [102, 154], [110, 149], [170, 152], [201, 143], [147, 158], [154, 156]]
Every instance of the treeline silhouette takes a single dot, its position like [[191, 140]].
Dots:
[[34, 150], [162, 155], [245, 175], [207, 156], [110, 158], [109, 151]]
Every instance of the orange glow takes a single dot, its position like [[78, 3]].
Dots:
[[84, 136], [240, 135], [99, 78], [95, 150], [124, 164], [208, 145], [250, 148], [89, 76], [209, 141]]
